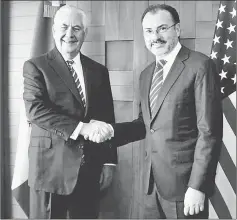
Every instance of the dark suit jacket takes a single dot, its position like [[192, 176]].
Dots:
[[54, 107], [183, 140]]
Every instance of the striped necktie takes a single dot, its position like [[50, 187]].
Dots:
[[77, 81], [157, 81]]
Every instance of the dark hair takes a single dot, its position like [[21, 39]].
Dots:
[[155, 8]]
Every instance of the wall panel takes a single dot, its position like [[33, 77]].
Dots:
[[95, 34], [98, 13], [187, 19], [84, 5], [19, 9], [126, 20], [118, 78], [204, 10], [203, 45], [111, 20], [19, 23], [119, 55], [22, 17]]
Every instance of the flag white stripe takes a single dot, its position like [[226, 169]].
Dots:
[[21, 167], [226, 190], [233, 98], [212, 212], [229, 139]]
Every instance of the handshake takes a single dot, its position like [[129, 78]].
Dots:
[[97, 131]]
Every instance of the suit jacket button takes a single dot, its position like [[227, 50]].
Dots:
[[81, 146], [152, 131]]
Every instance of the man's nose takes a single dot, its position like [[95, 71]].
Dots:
[[69, 32], [155, 35]]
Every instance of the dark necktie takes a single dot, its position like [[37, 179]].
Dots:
[[78, 84], [157, 82], [77, 81]]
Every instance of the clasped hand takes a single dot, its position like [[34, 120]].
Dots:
[[97, 131]]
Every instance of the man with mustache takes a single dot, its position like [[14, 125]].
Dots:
[[63, 91], [180, 118]]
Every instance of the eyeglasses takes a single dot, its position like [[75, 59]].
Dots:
[[160, 30]]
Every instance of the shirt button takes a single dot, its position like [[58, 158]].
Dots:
[[152, 131]]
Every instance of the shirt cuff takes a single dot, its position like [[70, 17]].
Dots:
[[110, 164], [76, 132], [112, 134]]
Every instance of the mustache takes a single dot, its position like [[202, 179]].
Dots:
[[158, 41]]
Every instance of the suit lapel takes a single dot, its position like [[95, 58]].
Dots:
[[146, 88], [174, 73], [58, 64]]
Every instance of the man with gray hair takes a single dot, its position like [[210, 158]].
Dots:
[[63, 91]]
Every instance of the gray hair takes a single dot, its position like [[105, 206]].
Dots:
[[72, 8]]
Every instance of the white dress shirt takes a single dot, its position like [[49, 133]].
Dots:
[[79, 71], [170, 60]]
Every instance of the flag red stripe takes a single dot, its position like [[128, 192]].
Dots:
[[22, 195], [228, 166], [219, 205], [230, 113]]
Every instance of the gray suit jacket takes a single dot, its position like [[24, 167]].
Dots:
[[54, 108], [183, 139]]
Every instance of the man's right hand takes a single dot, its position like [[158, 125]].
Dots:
[[97, 131]]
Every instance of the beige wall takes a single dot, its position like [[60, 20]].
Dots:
[[197, 23], [21, 26]]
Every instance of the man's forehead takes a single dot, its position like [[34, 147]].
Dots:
[[158, 18], [66, 16]]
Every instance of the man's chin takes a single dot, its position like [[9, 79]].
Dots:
[[69, 49], [158, 52]]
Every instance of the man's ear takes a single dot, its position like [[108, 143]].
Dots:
[[85, 33], [178, 29], [53, 31]]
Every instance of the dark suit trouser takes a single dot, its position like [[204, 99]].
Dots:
[[157, 207], [82, 203]]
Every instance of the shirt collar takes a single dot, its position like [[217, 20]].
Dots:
[[172, 55], [76, 59]]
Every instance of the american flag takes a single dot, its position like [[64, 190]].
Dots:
[[223, 202]]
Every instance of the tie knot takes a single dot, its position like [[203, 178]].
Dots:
[[69, 62], [161, 63]]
